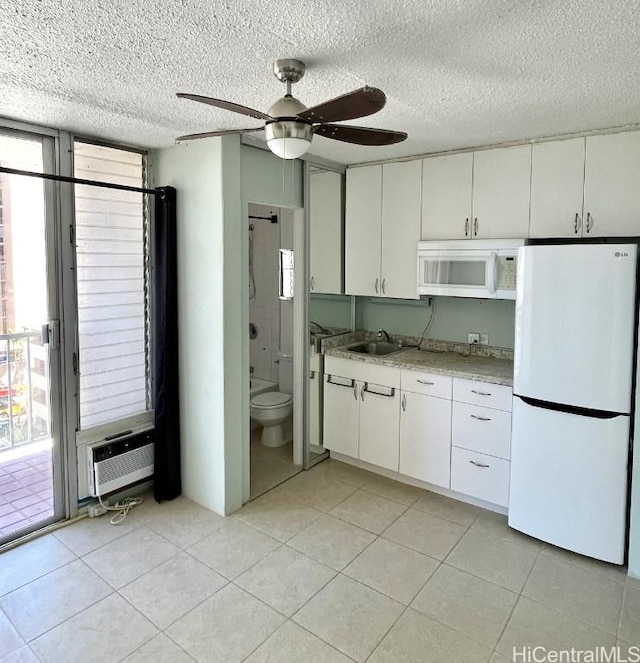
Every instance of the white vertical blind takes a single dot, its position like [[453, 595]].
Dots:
[[111, 283]]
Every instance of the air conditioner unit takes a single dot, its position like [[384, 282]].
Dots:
[[115, 463]]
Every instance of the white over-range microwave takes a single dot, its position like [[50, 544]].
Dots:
[[469, 268]]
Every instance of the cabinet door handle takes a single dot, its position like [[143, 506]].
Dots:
[[473, 462], [589, 223], [355, 390], [362, 390], [348, 385], [466, 227], [384, 281], [376, 286], [475, 416], [425, 382], [404, 402], [312, 283], [577, 224], [475, 227], [391, 393], [481, 393], [312, 375]]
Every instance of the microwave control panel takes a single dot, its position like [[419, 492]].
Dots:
[[506, 273]]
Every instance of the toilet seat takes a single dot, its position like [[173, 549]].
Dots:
[[271, 399]]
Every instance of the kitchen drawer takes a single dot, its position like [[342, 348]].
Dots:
[[481, 476], [482, 429], [430, 384], [363, 371], [485, 394]]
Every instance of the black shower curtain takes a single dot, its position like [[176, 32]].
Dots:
[[167, 484]]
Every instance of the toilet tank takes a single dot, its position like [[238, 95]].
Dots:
[[285, 373]]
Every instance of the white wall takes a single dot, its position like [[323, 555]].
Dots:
[[195, 169]]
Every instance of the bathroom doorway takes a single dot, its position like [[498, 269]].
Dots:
[[271, 346]]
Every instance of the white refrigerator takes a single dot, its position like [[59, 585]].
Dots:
[[573, 368]]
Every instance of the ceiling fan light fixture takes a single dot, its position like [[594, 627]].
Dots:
[[290, 138]]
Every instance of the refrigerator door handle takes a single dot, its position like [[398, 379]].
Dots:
[[571, 409]]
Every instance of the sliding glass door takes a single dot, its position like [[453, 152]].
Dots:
[[31, 476]]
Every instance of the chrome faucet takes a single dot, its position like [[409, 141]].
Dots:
[[383, 334]]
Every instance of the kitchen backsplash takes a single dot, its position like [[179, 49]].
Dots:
[[453, 319]]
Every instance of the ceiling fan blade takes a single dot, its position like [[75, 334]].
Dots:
[[223, 132], [226, 105], [360, 135], [359, 103]]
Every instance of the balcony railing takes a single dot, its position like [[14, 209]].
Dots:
[[24, 389]]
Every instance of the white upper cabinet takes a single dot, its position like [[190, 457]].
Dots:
[[612, 185], [363, 230], [401, 187], [446, 196], [501, 189], [326, 237], [557, 182], [382, 228]]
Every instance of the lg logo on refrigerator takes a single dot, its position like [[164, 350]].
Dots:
[[619, 254]]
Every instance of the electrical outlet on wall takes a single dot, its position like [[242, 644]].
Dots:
[[473, 338], [484, 339]]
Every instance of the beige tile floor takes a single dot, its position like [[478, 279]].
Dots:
[[269, 467], [335, 565]]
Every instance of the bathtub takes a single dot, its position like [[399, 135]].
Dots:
[[258, 386]]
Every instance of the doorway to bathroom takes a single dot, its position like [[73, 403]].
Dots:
[[271, 346]]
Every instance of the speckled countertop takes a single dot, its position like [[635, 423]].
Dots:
[[472, 367]]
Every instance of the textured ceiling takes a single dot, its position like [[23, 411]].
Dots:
[[457, 73]]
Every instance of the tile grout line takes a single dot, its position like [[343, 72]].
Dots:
[[2, 596], [519, 594]]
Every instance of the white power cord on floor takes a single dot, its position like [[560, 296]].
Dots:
[[123, 507]]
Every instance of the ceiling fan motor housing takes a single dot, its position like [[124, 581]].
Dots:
[[288, 133]]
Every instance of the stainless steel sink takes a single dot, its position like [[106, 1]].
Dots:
[[379, 348]]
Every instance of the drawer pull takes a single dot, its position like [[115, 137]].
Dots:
[[473, 462], [425, 382], [481, 393], [475, 416], [404, 402], [391, 393]]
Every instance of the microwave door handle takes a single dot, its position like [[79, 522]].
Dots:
[[493, 272]]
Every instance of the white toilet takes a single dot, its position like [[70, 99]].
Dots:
[[273, 409]]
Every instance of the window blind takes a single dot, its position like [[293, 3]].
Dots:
[[112, 279]]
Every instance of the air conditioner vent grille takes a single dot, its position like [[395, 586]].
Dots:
[[123, 467]]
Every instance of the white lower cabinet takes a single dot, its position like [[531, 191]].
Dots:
[[481, 429], [448, 432], [425, 438], [341, 415], [481, 440], [479, 475], [379, 423]]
